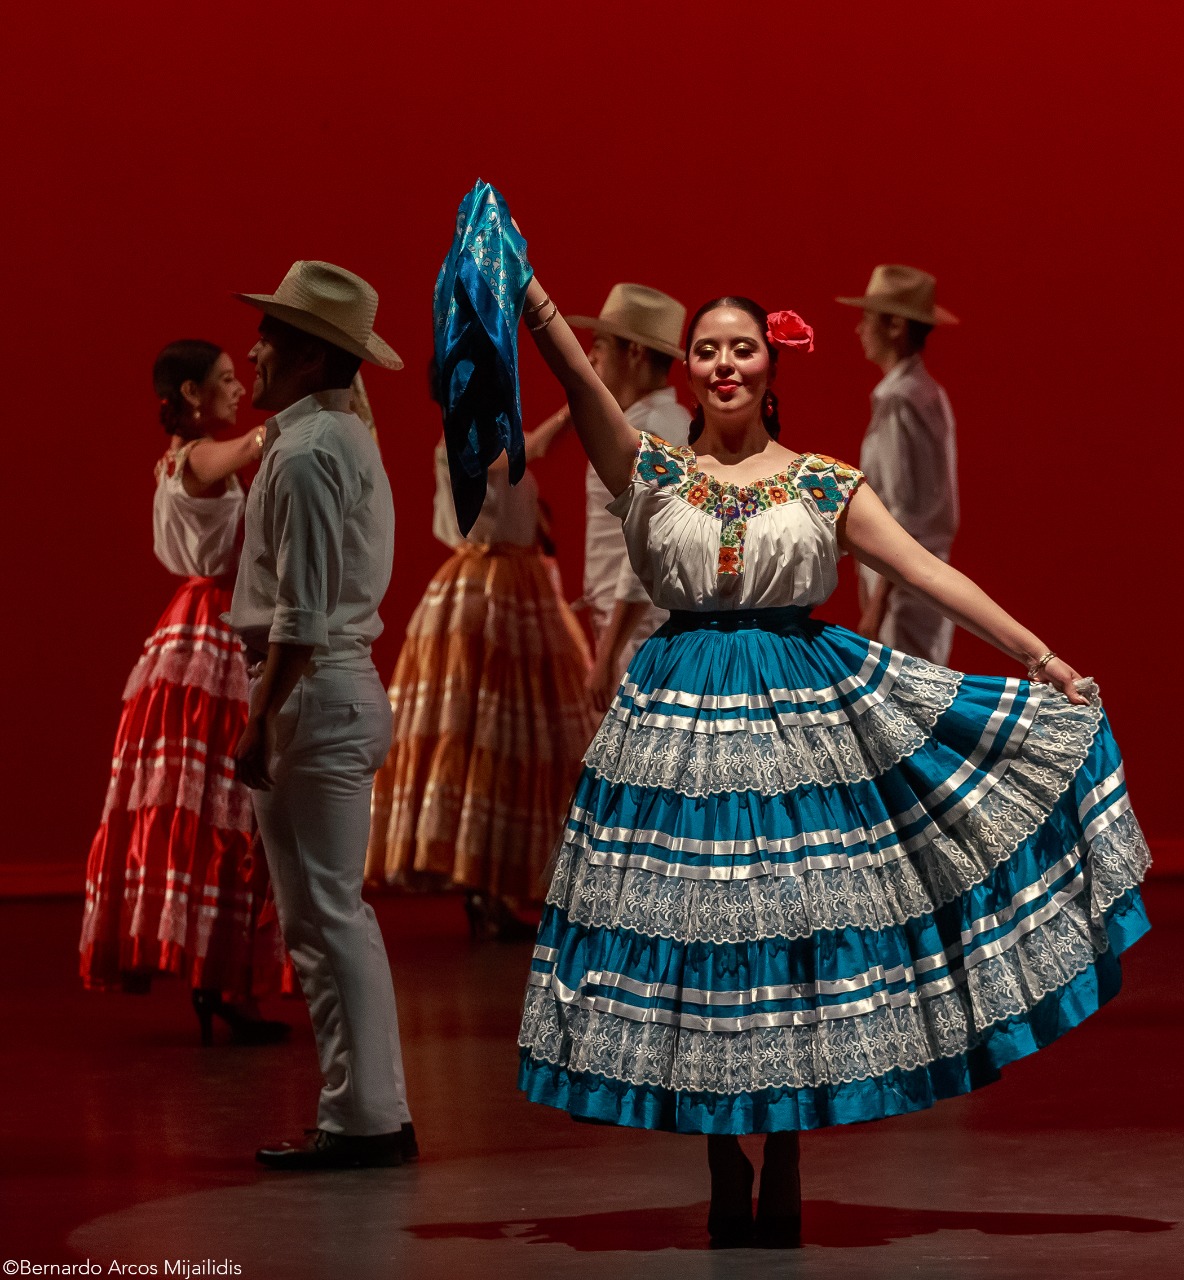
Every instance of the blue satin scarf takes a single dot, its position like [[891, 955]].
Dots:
[[476, 308]]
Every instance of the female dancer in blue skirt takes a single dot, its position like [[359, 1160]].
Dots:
[[807, 880]]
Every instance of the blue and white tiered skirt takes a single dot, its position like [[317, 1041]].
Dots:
[[808, 880]]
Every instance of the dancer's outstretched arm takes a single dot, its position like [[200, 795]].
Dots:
[[608, 439], [210, 461], [873, 537], [539, 440]]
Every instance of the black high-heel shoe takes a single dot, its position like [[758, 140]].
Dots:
[[779, 1207], [477, 911], [507, 927], [729, 1219], [490, 920], [203, 1006], [243, 1030]]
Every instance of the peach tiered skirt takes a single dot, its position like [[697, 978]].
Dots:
[[491, 720]]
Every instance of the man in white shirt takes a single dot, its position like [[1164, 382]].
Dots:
[[909, 453], [316, 562], [638, 338]]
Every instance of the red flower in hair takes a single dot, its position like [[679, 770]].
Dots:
[[788, 329]]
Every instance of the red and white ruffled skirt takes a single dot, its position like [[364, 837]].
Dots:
[[176, 882], [491, 720]]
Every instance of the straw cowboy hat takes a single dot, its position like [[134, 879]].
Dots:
[[640, 315], [331, 303], [902, 291]]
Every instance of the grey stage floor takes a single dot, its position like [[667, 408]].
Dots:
[[125, 1142]]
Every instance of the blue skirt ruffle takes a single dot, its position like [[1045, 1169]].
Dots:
[[807, 880]]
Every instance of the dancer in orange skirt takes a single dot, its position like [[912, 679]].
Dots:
[[491, 716], [173, 883]]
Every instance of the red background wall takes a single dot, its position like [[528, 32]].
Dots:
[[158, 156]]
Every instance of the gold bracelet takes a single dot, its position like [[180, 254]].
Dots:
[[538, 328], [1037, 667], [538, 306]]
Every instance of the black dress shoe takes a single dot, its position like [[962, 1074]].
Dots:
[[321, 1149], [408, 1147]]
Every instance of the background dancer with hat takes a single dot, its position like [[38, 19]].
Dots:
[[173, 885], [806, 879], [909, 453], [491, 715], [638, 335], [316, 563]]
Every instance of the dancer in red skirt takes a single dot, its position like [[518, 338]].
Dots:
[[173, 882]]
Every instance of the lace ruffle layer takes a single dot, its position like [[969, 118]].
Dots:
[[774, 749], [177, 773], [955, 1016], [857, 877], [192, 647], [220, 672], [167, 892]]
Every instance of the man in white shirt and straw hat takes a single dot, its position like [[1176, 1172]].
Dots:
[[909, 452], [638, 338], [316, 561]]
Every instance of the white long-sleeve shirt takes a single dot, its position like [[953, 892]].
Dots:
[[319, 536], [910, 457], [910, 454]]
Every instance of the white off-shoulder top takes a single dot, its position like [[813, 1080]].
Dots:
[[194, 537], [698, 543]]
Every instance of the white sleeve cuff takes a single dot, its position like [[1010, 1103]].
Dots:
[[298, 626]]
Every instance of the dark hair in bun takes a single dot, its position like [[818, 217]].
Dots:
[[189, 360]]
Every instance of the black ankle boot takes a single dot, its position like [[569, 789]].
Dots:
[[729, 1220], [779, 1207], [477, 911]]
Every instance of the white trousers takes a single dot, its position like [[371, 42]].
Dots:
[[911, 624], [914, 626], [332, 734]]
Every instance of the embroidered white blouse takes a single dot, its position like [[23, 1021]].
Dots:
[[698, 543], [194, 537], [608, 576]]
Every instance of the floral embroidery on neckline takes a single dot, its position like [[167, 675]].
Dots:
[[174, 460], [825, 480]]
